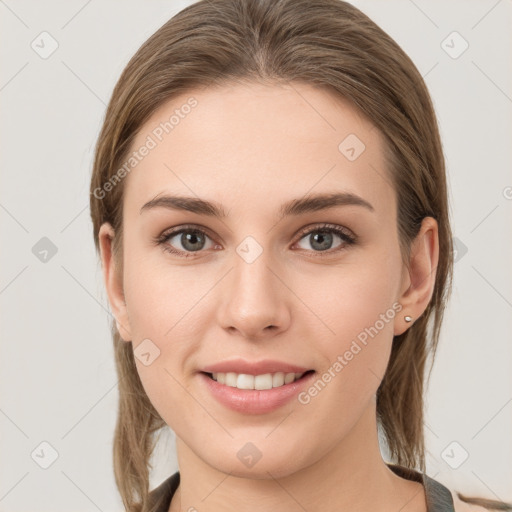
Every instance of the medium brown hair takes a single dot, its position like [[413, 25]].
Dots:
[[334, 46]]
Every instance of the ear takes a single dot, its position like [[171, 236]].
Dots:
[[113, 281], [418, 280]]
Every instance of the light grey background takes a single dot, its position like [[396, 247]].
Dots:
[[57, 369]]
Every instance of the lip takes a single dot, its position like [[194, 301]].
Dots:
[[254, 368], [253, 401]]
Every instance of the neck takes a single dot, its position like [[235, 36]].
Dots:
[[351, 476]]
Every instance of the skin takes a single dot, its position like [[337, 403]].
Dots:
[[250, 148]]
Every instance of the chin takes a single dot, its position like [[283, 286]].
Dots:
[[258, 460]]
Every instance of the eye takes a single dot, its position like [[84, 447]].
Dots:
[[188, 240], [321, 238]]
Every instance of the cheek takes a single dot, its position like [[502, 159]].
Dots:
[[355, 296], [166, 305], [159, 295], [161, 309], [359, 306]]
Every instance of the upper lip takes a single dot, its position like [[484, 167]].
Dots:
[[253, 368]]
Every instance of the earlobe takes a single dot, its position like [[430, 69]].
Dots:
[[420, 276], [113, 281]]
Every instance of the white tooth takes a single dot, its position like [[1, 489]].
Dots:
[[277, 379], [231, 379], [259, 382], [245, 381], [263, 381], [289, 377]]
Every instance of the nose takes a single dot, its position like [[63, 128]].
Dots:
[[254, 300]]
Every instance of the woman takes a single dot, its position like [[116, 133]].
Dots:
[[270, 205]]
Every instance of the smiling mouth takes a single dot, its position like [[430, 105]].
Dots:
[[262, 382]]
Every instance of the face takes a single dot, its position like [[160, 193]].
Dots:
[[316, 287]]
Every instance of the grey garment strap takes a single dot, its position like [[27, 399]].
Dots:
[[439, 498], [160, 498]]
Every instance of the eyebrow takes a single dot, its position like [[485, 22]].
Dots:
[[300, 206]]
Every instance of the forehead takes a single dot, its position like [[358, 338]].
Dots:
[[251, 144]]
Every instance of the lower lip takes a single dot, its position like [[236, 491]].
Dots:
[[253, 401]]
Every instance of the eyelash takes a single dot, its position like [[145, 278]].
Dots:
[[343, 233]]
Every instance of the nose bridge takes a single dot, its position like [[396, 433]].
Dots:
[[254, 299], [252, 276]]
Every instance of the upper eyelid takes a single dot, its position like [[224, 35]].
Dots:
[[192, 227], [328, 226]]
